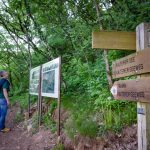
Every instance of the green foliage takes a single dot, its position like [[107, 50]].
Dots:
[[49, 123], [47, 119], [18, 117], [86, 127], [59, 147], [113, 118], [32, 36], [96, 119], [22, 99], [70, 128], [52, 107], [82, 124], [80, 119], [35, 123]]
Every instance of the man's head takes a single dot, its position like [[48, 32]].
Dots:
[[4, 74]]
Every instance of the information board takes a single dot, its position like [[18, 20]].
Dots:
[[50, 78], [34, 81]]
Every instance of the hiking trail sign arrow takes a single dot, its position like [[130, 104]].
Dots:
[[119, 40], [134, 64], [132, 90]]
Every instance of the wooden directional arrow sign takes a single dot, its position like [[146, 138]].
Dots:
[[133, 64], [132, 90], [114, 40]]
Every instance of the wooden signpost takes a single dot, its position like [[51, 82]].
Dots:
[[114, 40], [59, 100], [132, 90], [137, 63], [137, 90], [142, 42], [40, 99]]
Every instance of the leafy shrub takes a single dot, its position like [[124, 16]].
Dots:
[[47, 119], [18, 117], [49, 123], [35, 123], [59, 147]]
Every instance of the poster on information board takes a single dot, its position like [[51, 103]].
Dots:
[[34, 81], [51, 78]]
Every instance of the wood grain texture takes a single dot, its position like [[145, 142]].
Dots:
[[142, 42], [134, 64], [39, 103], [59, 100], [114, 40], [133, 90], [143, 36]]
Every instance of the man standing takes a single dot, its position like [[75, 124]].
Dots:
[[4, 99]]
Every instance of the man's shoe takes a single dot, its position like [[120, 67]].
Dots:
[[5, 130]]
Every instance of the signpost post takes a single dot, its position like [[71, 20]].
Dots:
[[39, 99], [142, 42], [59, 98], [135, 64]]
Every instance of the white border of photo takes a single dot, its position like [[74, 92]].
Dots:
[[56, 80], [31, 72]]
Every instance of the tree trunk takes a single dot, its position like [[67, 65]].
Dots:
[[108, 74]]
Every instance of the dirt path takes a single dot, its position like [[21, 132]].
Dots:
[[20, 139]]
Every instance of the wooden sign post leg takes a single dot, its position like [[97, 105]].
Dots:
[[40, 99], [59, 99], [143, 109]]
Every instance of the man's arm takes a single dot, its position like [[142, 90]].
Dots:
[[6, 95]]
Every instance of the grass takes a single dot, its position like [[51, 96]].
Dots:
[[49, 123], [18, 118], [89, 115], [96, 117], [34, 123], [47, 119], [59, 147], [22, 99]]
